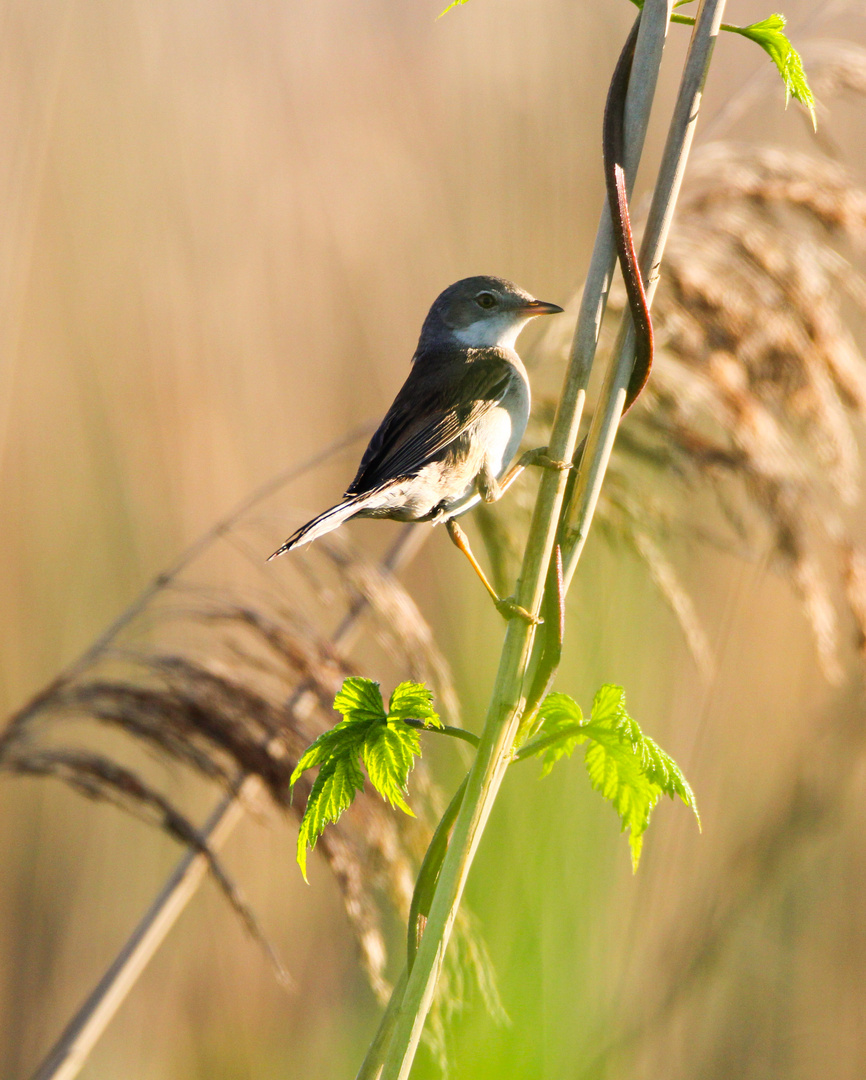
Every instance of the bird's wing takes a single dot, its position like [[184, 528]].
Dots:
[[442, 396]]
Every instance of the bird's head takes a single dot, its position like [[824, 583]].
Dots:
[[480, 312]]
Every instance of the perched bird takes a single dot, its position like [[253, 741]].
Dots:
[[454, 427]]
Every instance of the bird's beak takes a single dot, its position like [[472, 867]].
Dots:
[[540, 307]]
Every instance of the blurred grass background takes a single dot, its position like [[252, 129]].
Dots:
[[223, 226]]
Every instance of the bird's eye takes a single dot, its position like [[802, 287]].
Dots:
[[485, 300]]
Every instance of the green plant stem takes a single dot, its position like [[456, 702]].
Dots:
[[534, 747], [690, 20], [607, 414], [424, 886], [371, 1066], [428, 875], [445, 729], [506, 702]]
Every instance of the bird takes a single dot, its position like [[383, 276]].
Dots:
[[450, 436]]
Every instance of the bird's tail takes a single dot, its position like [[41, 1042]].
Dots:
[[324, 523]]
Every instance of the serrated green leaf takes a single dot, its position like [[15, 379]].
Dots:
[[413, 701], [662, 770], [559, 710], [453, 4], [628, 768], [559, 715], [608, 705], [346, 737], [614, 771], [360, 699], [769, 35], [387, 745], [389, 753], [339, 779], [609, 711]]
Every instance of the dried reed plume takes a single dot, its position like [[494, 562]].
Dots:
[[758, 393], [758, 390], [234, 688]]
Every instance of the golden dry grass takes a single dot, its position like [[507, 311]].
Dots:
[[224, 225]]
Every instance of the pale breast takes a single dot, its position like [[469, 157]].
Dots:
[[502, 429], [496, 437]]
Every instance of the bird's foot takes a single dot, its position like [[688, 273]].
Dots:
[[509, 609], [540, 457]]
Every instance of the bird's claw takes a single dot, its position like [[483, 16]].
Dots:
[[551, 463], [509, 609], [542, 459]]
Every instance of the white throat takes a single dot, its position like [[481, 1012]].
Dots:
[[497, 330]]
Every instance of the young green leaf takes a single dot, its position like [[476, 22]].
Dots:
[[413, 701], [385, 743], [341, 739], [561, 719], [389, 754], [453, 4], [769, 35], [662, 770], [614, 771], [339, 780], [360, 699], [629, 769]]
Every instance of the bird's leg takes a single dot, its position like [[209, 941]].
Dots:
[[538, 457], [491, 490], [505, 607]]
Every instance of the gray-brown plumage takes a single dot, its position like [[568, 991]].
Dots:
[[458, 420]]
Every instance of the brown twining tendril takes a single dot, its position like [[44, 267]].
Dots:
[[613, 147]]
